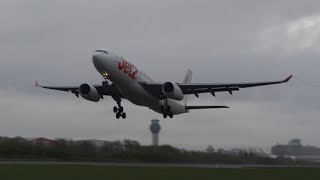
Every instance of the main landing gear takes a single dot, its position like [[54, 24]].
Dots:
[[166, 110], [119, 111]]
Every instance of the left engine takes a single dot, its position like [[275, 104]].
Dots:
[[89, 92], [172, 90]]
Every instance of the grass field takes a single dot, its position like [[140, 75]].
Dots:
[[81, 172]]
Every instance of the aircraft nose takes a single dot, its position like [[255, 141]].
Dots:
[[96, 57], [101, 59]]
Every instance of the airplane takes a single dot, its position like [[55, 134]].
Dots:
[[123, 80]]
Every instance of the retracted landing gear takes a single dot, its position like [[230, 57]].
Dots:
[[119, 111], [166, 110]]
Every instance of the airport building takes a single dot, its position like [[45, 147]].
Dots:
[[42, 141], [295, 149]]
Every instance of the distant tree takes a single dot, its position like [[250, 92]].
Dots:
[[210, 149], [130, 144], [221, 151], [126, 150]]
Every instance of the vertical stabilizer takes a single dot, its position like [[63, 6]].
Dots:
[[187, 79]]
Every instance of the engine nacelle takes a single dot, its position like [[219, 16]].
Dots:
[[89, 92], [172, 90]]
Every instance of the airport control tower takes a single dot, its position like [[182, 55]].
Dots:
[[155, 129]]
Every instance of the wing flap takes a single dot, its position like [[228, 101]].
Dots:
[[104, 90], [195, 88], [211, 90], [226, 85]]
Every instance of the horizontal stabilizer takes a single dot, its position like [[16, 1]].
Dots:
[[205, 107], [287, 79]]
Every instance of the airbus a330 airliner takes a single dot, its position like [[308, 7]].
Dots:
[[128, 82]]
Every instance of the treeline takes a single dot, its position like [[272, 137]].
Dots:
[[121, 151]]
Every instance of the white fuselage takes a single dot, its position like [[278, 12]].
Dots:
[[126, 76]]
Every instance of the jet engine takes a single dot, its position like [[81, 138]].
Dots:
[[89, 92], [172, 90]]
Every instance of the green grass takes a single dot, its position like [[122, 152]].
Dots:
[[81, 172]]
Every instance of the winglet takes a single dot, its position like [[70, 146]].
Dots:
[[287, 79], [36, 84]]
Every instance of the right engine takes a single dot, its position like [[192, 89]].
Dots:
[[89, 92], [172, 90]]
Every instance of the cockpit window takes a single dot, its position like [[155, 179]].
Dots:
[[103, 51]]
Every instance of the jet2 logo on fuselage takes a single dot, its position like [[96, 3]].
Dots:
[[128, 69]]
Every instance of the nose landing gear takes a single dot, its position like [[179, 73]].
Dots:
[[118, 110]]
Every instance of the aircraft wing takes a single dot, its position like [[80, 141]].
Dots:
[[155, 88], [104, 90]]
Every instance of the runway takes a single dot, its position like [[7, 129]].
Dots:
[[184, 165]]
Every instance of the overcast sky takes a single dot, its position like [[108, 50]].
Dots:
[[221, 41]]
